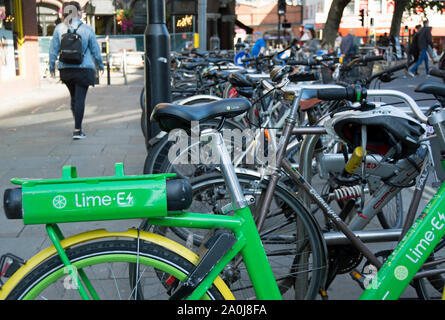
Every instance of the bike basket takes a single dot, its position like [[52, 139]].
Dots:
[[73, 199]]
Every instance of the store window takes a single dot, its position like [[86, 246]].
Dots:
[[104, 24], [47, 19], [140, 16], [350, 8], [378, 6]]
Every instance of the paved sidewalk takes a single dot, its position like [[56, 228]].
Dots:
[[36, 142]]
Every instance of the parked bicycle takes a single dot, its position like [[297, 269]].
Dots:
[[121, 197]]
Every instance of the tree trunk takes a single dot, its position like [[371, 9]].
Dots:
[[333, 22], [399, 7]]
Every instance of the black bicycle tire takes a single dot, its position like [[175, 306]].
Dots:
[[286, 195], [157, 154], [399, 221], [437, 281], [106, 247]]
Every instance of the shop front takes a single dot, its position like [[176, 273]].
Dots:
[[19, 52]]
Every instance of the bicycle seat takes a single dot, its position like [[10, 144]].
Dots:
[[172, 116], [435, 88]]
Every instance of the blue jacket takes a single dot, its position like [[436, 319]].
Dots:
[[259, 44], [349, 45], [89, 46]]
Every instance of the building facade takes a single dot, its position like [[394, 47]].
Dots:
[[377, 19], [19, 50], [117, 17], [262, 16]]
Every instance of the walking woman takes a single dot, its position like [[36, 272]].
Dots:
[[77, 76]]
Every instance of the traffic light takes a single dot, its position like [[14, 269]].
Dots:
[[406, 29], [281, 7], [362, 17]]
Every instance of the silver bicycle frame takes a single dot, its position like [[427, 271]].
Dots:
[[227, 168]]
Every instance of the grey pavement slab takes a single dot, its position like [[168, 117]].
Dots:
[[36, 142]]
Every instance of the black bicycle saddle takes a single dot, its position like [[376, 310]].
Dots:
[[172, 116], [435, 88]]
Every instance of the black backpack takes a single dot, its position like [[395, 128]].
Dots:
[[71, 47]]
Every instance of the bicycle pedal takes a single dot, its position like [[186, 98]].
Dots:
[[9, 264], [358, 277]]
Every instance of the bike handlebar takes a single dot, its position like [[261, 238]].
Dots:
[[370, 58], [257, 58], [358, 93], [437, 73], [386, 71], [350, 93], [403, 96]]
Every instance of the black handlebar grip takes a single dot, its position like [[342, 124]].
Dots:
[[299, 62], [397, 68], [350, 93], [303, 76], [332, 94], [370, 58], [437, 72], [12, 203]]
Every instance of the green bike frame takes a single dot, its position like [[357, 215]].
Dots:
[[412, 251], [249, 245], [72, 199]]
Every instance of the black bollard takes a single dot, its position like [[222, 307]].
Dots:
[[157, 62]]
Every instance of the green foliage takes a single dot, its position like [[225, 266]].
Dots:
[[420, 6]]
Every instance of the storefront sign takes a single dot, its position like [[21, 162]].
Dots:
[[119, 44], [185, 21]]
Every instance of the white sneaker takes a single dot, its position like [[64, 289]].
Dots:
[[411, 74], [78, 134]]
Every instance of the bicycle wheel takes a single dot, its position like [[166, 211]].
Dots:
[[290, 237], [142, 99], [391, 216], [431, 288], [157, 160], [106, 265]]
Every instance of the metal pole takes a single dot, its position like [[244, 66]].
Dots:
[[124, 65], [107, 51], [202, 24], [157, 62]]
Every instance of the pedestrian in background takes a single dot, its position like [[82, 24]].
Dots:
[[349, 46], [313, 44], [77, 77], [413, 51], [424, 39], [259, 46], [337, 43]]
